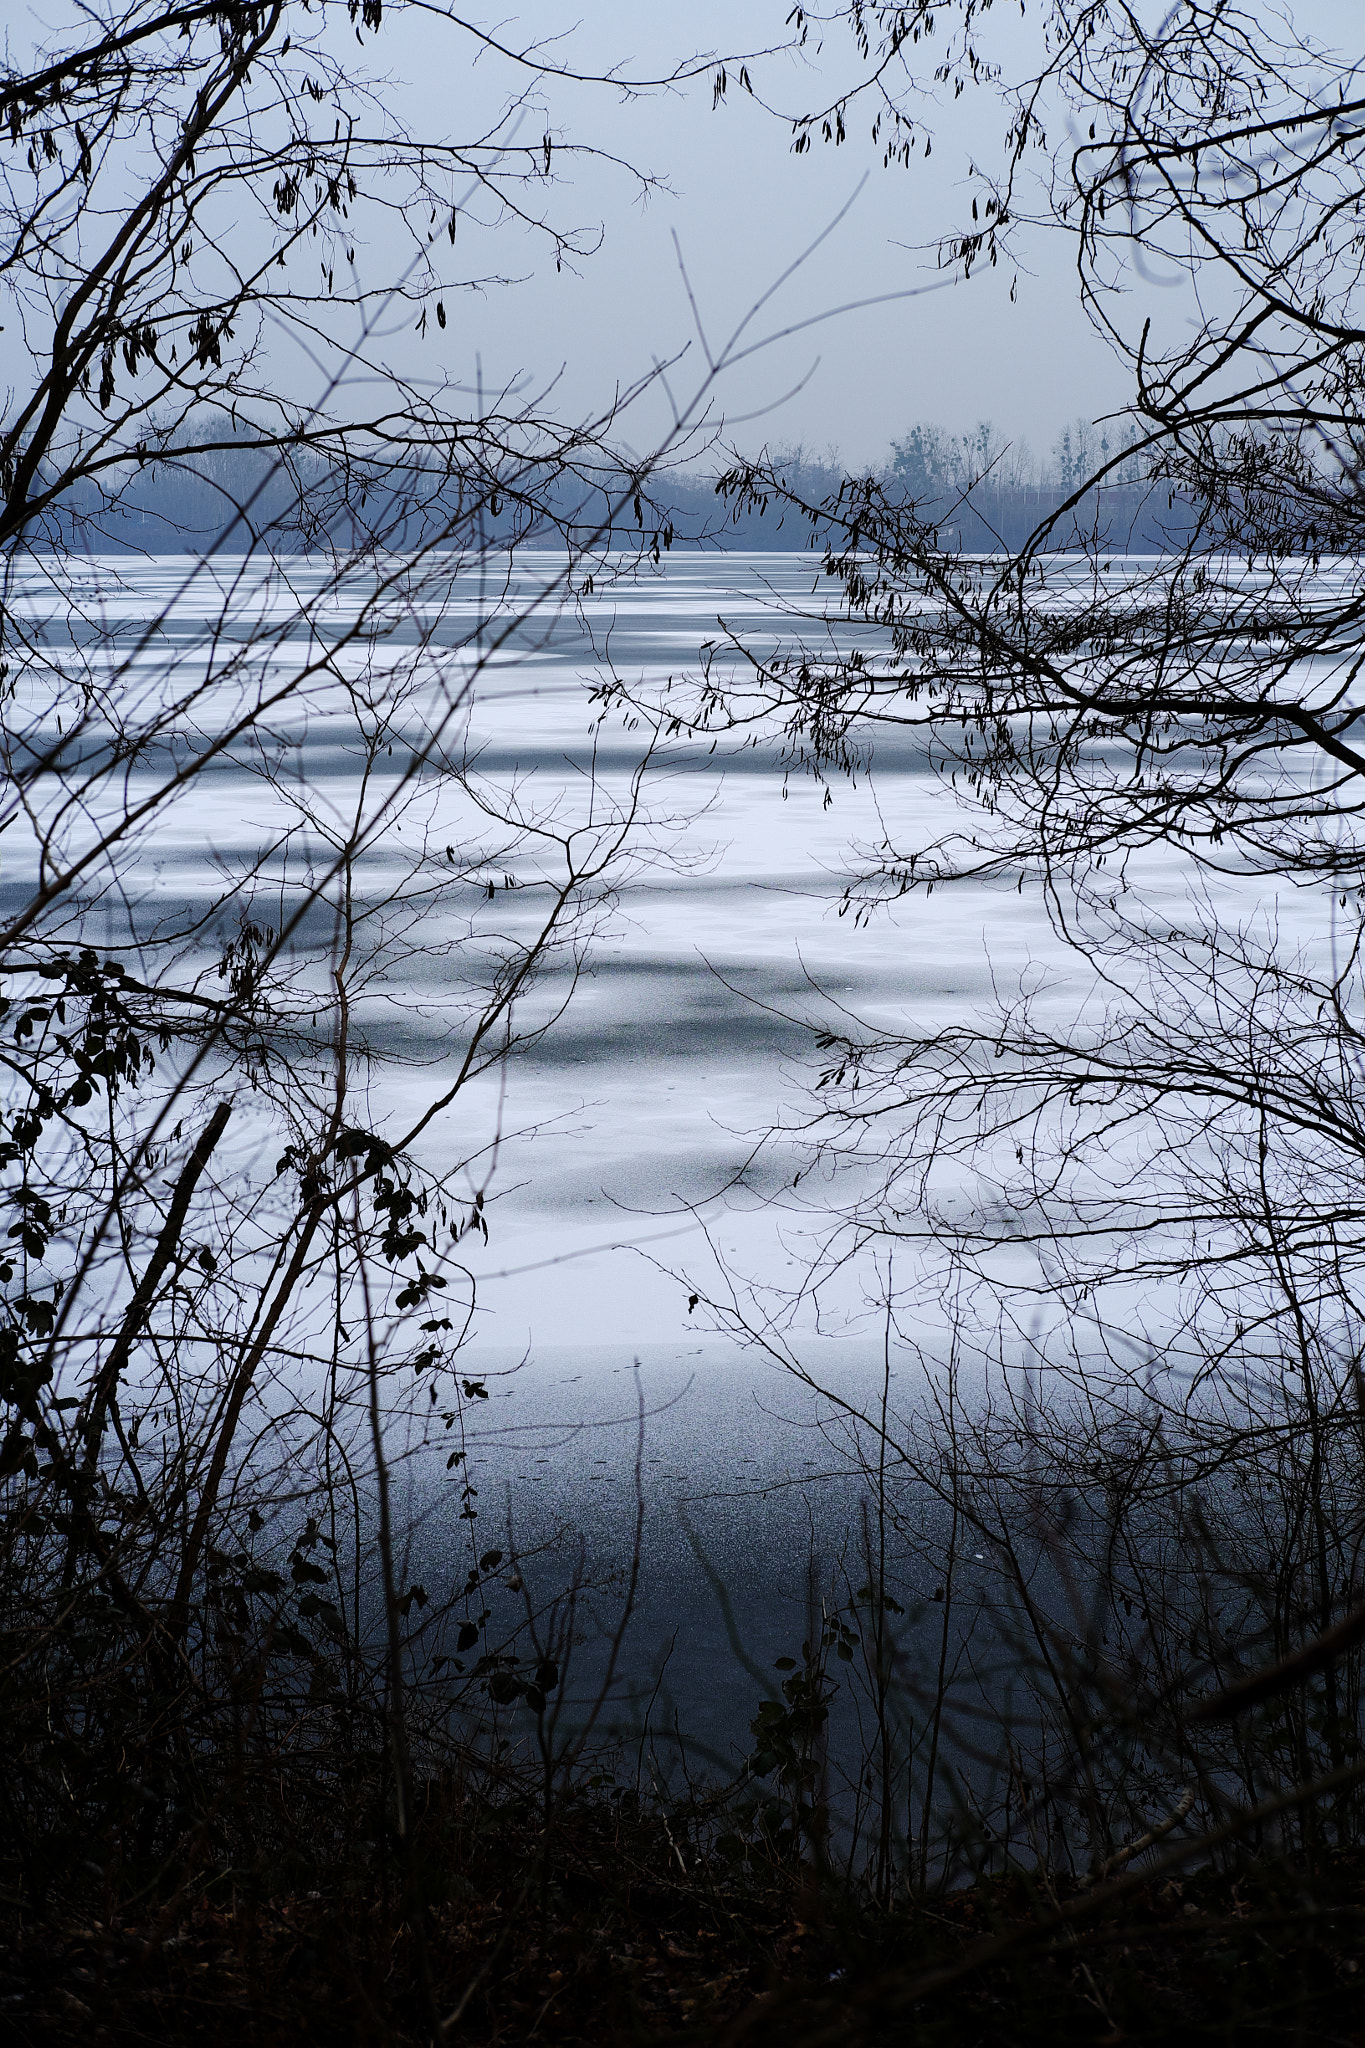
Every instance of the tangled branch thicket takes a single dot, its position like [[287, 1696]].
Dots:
[[1099, 1634], [1115, 1222], [232, 1271]]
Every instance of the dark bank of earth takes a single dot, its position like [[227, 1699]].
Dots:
[[622, 1944]]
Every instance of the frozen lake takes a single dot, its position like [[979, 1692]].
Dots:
[[617, 1151], [623, 1134], [621, 1142]]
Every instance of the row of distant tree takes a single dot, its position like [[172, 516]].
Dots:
[[933, 460], [986, 490]]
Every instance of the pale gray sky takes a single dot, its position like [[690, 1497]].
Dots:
[[743, 206]]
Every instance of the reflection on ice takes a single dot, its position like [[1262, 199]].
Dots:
[[625, 1138]]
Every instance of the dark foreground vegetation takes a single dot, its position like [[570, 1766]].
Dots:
[[592, 1930], [1106, 1773], [644, 1955]]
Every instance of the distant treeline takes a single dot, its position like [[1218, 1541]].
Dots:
[[981, 494]]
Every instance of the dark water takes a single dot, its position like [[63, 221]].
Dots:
[[753, 1522]]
